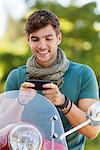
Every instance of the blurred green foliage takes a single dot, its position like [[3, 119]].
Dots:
[[80, 27], [94, 144]]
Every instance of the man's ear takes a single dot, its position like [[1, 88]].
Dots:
[[28, 38], [59, 38]]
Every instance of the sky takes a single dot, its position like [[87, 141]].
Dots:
[[78, 2], [9, 7]]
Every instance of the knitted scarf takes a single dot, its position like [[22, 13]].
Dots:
[[54, 73]]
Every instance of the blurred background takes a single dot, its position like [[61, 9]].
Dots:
[[80, 26]]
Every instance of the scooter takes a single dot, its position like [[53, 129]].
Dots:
[[32, 122]]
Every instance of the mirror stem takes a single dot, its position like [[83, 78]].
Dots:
[[75, 129]]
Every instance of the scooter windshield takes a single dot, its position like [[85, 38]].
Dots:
[[38, 110]]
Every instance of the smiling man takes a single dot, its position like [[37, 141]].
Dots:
[[43, 44], [73, 86]]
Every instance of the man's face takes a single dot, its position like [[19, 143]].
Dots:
[[44, 43]]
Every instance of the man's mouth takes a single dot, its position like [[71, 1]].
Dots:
[[43, 52]]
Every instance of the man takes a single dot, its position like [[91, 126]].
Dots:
[[73, 86]]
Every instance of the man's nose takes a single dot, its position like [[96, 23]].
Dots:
[[42, 44]]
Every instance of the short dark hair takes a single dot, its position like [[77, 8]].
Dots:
[[40, 19]]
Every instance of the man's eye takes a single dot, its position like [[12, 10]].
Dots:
[[48, 39], [34, 40]]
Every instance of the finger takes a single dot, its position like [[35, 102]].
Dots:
[[50, 92], [52, 97], [50, 86], [27, 85], [27, 91]]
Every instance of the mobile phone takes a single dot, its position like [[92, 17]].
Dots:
[[38, 83]]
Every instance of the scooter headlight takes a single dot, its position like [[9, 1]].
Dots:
[[25, 137]]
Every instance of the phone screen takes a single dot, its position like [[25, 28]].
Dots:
[[39, 83]]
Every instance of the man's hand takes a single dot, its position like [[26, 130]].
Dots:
[[53, 93], [26, 93]]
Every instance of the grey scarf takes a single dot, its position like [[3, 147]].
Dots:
[[55, 73]]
